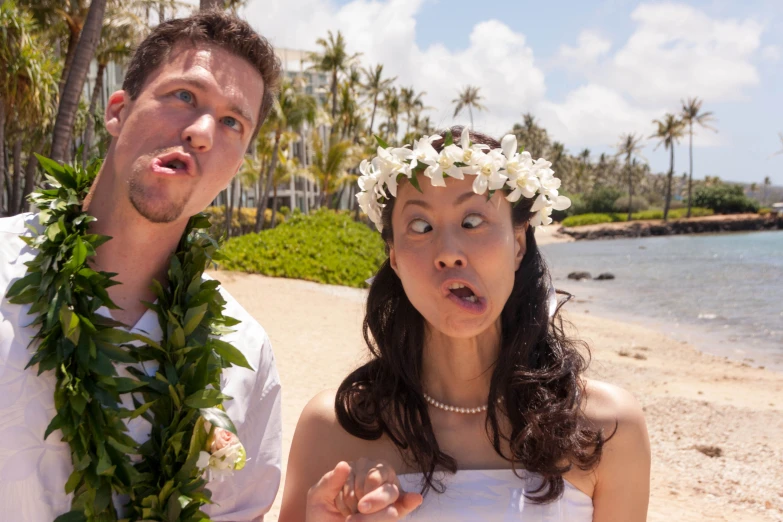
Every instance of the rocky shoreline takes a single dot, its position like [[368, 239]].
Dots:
[[700, 225]]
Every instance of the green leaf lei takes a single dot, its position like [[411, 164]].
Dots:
[[82, 348]]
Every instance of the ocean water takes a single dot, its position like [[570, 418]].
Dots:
[[721, 292]]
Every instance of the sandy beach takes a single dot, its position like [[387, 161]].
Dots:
[[696, 404]]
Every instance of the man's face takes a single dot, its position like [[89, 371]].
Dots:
[[179, 143]]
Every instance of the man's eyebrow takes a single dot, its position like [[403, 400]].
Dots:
[[233, 107]]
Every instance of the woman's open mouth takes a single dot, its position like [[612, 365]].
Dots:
[[466, 298]]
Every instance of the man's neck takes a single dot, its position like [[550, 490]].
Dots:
[[139, 251]]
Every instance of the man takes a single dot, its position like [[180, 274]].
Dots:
[[196, 92]]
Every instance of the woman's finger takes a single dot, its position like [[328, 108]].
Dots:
[[330, 484], [407, 503], [379, 498]]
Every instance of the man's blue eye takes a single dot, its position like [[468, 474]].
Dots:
[[232, 122], [184, 96]]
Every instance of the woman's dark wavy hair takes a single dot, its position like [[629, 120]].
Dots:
[[537, 373]]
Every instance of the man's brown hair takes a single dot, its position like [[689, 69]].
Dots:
[[213, 27]]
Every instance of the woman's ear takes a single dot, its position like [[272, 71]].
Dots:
[[393, 260], [115, 112], [520, 244]]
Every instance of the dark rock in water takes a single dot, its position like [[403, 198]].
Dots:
[[604, 277], [579, 275]]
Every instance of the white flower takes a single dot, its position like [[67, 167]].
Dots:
[[541, 217], [466, 153], [488, 175], [203, 460], [522, 178]]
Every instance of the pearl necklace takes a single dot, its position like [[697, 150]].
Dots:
[[456, 409]]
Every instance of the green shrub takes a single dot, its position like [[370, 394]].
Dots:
[[592, 219], [638, 204], [598, 218], [766, 211], [243, 220], [601, 199], [724, 199], [326, 247]]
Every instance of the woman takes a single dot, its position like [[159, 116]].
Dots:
[[473, 394]]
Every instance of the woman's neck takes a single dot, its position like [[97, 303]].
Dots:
[[457, 371]]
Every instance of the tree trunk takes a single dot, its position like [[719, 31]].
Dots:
[[73, 40], [161, 12], [630, 186], [690, 176], [211, 4], [334, 96], [89, 132], [2, 153], [374, 106], [270, 177], [13, 201], [274, 206], [229, 207], [470, 111], [85, 50], [29, 171], [669, 186]]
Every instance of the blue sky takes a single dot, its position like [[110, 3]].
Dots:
[[588, 70]]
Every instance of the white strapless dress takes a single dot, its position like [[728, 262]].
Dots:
[[494, 496]]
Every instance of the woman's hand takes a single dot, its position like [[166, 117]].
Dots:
[[366, 491]]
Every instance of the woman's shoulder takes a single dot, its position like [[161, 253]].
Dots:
[[606, 404], [621, 417], [320, 426]]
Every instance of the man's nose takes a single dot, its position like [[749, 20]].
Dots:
[[200, 134]]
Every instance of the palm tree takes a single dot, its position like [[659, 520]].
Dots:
[[27, 93], [333, 60], [630, 145], [531, 135], [374, 86], [391, 104], [410, 101], [121, 31], [211, 4], [291, 110], [767, 184], [691, 113], [328, 166], [85, 50], [470, 98], [670, 131]]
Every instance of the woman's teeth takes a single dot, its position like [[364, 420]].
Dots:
[[463, 292]]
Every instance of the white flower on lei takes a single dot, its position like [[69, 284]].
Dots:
[[488, 175], [465, 153], [522, 178]]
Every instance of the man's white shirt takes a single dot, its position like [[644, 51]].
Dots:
[[33, 471]]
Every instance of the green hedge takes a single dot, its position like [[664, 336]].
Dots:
[[326, 247], [596, 219]]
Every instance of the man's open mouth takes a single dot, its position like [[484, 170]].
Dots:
[[463, 292], [172, 163]]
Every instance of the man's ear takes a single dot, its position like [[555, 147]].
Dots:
[[116, 111], [520, 244]]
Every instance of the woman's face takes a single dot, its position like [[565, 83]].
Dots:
[[456, 253]]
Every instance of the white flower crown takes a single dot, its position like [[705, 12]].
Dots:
[[506, 168]]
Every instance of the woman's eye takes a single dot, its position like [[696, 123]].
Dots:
[[472, 221], [232, 122], [185, 96], [420, 226]]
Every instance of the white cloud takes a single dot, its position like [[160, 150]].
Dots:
[[594, 115], [771, 53], [591, 46], [675, 52], [497, 59]]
